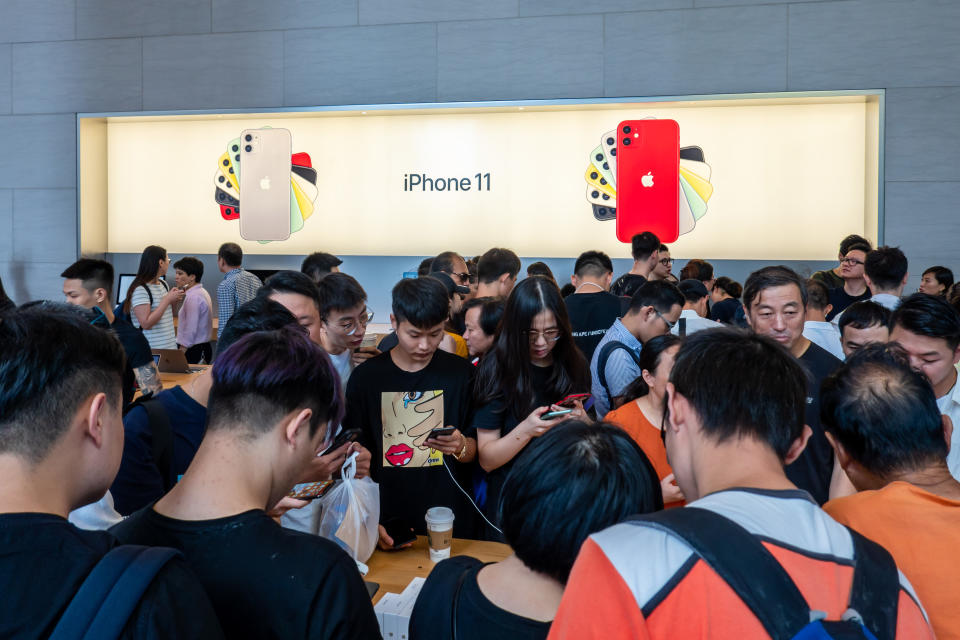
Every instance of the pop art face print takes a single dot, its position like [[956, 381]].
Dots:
[[407, 418]]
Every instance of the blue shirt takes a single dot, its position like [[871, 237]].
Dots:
[[620, 368], [139, 480], [237, 288]]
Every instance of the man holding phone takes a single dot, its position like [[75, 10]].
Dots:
[[411, 405]]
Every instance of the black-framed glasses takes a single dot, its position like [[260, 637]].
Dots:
[[666, 261], [851, 261]]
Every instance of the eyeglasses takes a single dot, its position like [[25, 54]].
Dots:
[[350, 327], [670, 325], [464, 277], [851, 261], [666, 261], [550, 335]]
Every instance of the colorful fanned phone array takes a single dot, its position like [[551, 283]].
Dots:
[[694, 179], [303, 186]]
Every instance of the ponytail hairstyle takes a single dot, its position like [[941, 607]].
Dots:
[[147, 271], [650, 357], [729, 286]]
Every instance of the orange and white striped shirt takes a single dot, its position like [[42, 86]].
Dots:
[[636, 581]]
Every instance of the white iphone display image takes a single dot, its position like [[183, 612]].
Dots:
[[265, 184]]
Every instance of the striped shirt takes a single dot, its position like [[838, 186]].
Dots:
[[237, 288], [636, 581], [160, 335], [620, 368]]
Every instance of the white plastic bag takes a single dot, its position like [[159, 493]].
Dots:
[[351, 513]]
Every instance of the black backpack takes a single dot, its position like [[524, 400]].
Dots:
[[128, 315], [741, 560], [161, 433], [602, 358]]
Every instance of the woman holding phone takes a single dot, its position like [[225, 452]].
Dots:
[[534, 363], [150, 301]]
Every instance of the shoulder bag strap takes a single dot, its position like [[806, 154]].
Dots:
[[161, 435], [605, 352], [876, 587], [741, 560], [110, 593]]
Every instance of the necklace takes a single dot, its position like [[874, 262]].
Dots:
[[585, 284]]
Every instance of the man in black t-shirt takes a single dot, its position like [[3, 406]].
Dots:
[[60, 443], [645, 248], [399, 397], [592, 308], [776, 302], [88, 283], [854, 288], [273, 404]]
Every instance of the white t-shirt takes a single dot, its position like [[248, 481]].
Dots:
[[949, 405], [824, 334], [161, 335]]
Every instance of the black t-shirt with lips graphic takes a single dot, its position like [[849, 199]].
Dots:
[[395, 411]]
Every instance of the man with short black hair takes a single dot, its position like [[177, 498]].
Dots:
[[400, 397], [831, 277], [815, 325], [862, 323], [653, 311], [854, 286], [238, 287], [88, 283], [928, 328], [272, 405], [591, 306], [195, 318], [298, 293], [888, 435], [343, 322], [728, 438], [178, 417], [693, 317], [61, 439], [319, 265], [775, 301], [664, 268], [497, 272], [885, 272], [645, 249]]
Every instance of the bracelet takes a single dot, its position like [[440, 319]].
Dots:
[[463, 449]]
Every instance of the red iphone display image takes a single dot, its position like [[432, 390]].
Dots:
[[648, 164]]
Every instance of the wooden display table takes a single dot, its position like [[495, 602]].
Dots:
[[393, 570]]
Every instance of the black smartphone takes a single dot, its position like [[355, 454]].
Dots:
[[442, 431], [345, 436], [400, 531], [691, 153]]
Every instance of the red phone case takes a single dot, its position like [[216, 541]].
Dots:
[[648, 187]]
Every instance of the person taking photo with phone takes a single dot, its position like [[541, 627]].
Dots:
[[534, 364]]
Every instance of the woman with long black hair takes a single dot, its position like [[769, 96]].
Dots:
[[534, 364], [150, 301]]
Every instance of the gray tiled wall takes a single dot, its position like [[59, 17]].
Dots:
[[58, 57]]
